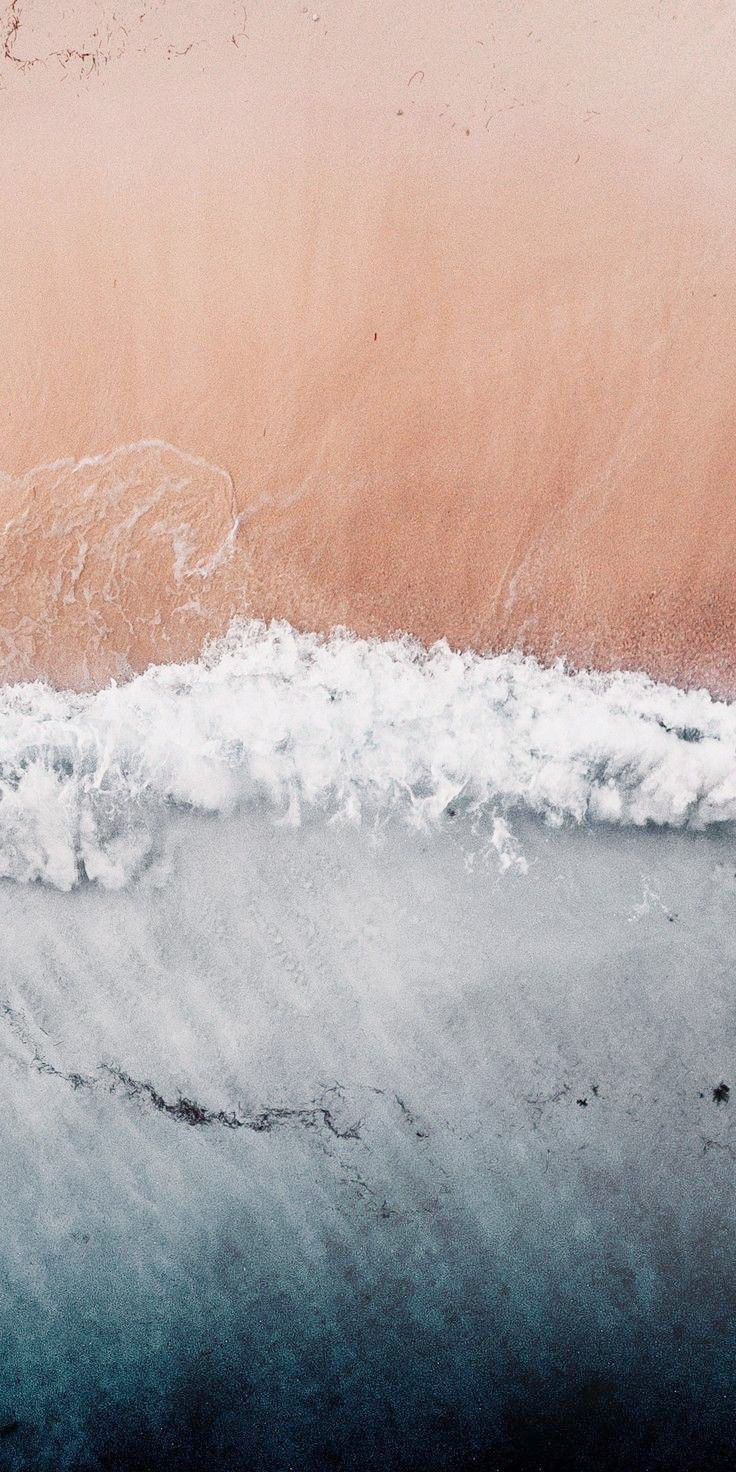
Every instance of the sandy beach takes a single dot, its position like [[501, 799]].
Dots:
[[414, 318]]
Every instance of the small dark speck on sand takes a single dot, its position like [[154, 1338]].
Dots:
[[583, 1103], [721, 1093]]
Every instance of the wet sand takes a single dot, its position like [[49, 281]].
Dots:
[[416, 322]]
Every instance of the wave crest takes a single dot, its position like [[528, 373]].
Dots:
[[356, 729]]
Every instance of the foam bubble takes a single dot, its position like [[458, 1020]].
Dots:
[[356, 730]]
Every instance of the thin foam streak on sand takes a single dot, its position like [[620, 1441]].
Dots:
[[415, 323]]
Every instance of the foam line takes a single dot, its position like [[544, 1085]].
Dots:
[[355, 730]]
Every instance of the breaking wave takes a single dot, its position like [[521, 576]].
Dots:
[[359, 730]]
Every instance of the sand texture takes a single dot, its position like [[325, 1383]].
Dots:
[[401, 317]]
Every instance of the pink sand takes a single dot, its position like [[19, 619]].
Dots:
[[416, 316]]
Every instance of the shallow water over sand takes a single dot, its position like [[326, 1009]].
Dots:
[[319, 1150]]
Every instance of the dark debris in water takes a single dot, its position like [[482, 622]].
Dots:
[[188, 1111], [184, 1110]]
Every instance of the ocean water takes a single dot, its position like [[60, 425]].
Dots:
[[367, 1051]]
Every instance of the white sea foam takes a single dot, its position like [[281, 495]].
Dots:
[[357, 729]]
